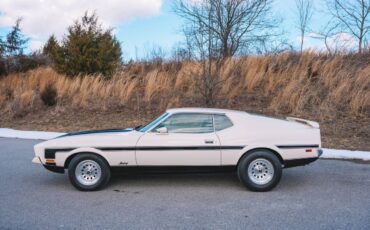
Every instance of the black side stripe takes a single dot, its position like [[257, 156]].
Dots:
[[161, 148], [116, 148], [50, 153], [296, 146]]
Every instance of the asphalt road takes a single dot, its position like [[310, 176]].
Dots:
[[327, 194]]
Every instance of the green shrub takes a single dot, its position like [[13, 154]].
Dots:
[[87, 49]]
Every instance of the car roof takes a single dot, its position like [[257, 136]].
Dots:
[[203, 110]]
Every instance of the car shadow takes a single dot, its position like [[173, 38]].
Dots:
[[291, 179], [175, 180]]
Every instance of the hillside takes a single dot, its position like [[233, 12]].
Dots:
[[334, 90]]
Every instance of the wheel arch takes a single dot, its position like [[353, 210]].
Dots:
[[70, 157], [251, 150]]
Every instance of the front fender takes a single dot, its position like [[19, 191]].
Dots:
[[62, 157]]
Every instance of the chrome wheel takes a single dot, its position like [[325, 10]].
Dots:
[[260, 171], [88, 172]]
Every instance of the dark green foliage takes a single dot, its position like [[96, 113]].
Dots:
[[15, 40], [31, 61], [87, 49], [49, 95], [12, 57], [51, 46], [2, 58], [2, 47]]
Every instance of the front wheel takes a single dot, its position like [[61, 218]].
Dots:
[[260, 170], [88, 172]]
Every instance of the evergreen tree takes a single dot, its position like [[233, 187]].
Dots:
[[13, 47], [2, 59], [2, 47], [87, 49], [12, 56], [15, 41], [51, 46]]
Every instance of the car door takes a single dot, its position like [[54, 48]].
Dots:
[[183, 139]]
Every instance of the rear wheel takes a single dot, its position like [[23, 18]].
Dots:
[[260, 170], [88, 172]]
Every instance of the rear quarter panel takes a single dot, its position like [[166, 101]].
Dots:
[[255, 132]]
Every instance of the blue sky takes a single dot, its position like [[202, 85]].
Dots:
[[139, 25], [164, 29], [141, 34]]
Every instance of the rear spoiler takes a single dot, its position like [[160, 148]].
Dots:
[[312, 124]]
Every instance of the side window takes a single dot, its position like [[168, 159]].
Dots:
[[222, 122], [188, 123]]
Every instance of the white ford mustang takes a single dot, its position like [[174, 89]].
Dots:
[[256, 147]]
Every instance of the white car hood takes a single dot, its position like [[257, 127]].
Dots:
[[98, 138]]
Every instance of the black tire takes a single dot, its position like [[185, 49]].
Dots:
[[85, 158], [259, 158]]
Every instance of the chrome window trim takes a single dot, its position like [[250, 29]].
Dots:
[[171, 114], [155, 125]]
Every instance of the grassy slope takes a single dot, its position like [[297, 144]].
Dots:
[[332, 90]]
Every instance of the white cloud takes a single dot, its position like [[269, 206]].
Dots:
[[42, 18], [342, 42], [308, 43], [35, 44]]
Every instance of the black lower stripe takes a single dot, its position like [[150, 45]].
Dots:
[[50, 153], [296, 146]]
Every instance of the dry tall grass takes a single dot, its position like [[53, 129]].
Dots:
[[313, 84]]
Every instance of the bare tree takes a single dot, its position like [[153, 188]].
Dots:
[[326, 36], [352, 17], [218, 29], [204, 46], [154, 53], [235, 24], [181, 53], [273, 46], [304, 11]]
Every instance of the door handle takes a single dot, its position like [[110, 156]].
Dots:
[[208, 141]]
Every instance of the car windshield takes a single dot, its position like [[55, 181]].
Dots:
[[153, 123]]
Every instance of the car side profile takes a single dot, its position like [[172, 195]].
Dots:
[[256, 147]]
